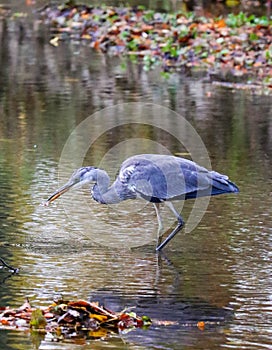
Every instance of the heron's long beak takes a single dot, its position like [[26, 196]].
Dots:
[[59, 192]]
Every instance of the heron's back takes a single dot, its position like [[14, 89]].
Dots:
[[161, 177]]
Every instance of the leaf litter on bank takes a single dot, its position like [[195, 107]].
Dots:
[[239, 44], [77, 319]]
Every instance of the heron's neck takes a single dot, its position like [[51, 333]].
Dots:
[[102, 182], [101, 191]]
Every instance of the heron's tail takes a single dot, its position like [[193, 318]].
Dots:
[[221, 184]]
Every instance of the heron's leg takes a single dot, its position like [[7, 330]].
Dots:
[[175, 212], [160, 224], [158, 212], [176, 229]]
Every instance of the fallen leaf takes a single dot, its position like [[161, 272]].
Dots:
[[201, 325], [54, 41]]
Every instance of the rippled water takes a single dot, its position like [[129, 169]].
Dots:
[[220, 272]]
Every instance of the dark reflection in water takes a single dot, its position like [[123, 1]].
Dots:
[[182, 315], [45, 92]]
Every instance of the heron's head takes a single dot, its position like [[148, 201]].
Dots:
[[79, 178]]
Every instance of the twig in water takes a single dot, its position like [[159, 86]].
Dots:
[[13, 269]]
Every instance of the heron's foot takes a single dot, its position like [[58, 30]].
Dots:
[[172, 234], [180, 221]]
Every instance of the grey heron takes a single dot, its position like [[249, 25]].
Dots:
[[154, 178]]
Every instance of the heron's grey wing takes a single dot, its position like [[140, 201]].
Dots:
[[163, 177], [142, 178], [185, 179], [188, 182]]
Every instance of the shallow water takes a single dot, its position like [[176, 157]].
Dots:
[[219, 272]]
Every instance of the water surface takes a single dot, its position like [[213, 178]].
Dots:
[[220, 272]]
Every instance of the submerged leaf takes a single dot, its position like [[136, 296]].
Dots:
[[38, 320]]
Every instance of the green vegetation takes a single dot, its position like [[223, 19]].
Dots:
[[238, 44]]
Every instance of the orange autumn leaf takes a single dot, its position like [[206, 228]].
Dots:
[[85, 16], [201, 325], [100, 333], [135, 36], [5, 322], [96, 45], [220, 24], [79, 303], [257, 64], [193, 25], [100, 318], [165, 26]]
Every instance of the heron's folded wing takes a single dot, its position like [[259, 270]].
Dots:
[[166, 183]]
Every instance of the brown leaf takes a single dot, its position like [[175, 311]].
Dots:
[[26, 305], [79, 303]]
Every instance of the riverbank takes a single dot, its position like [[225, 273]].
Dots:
[[235, 49]]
